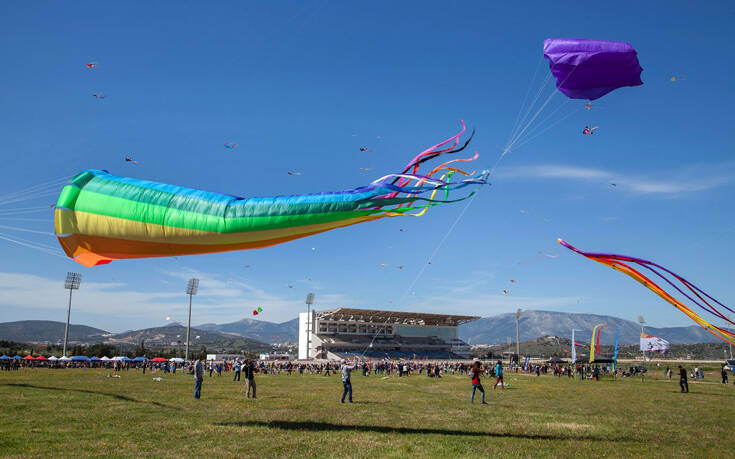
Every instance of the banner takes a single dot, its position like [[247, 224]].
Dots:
[[653, 343], [574, 348]]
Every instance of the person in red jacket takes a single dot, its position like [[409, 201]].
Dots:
[[475, 373]]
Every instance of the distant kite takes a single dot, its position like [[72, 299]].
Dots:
[[230, 145], [98, 96], [295, 173], [100, 217], [365, 149], [128, 159], [623, 263], [92, 65]]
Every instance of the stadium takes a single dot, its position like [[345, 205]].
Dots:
[[344, 332]]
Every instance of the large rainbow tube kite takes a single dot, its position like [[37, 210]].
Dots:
[[100, 217], [623, 263]]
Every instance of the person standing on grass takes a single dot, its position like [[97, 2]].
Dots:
[[249, 370], [475, 373], [499, 375], [198, 378], [723, 373], [346, 370], [236, 367], [683, 379]]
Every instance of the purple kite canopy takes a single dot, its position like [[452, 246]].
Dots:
[[589, 69]]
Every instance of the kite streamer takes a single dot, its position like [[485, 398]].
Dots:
[[623, 263], [100, 217]]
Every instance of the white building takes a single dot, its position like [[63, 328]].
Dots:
[[376, 334]]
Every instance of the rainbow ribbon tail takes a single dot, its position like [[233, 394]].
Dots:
[[624, 264]]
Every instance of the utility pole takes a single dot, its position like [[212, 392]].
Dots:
[[518, 342], [73, 281], [309, 302], [191, 289]]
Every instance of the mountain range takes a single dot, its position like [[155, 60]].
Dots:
[[256, 333], [535, 324]]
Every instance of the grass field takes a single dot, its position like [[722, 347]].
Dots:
[[83, 412]]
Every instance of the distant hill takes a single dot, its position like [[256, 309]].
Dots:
[[261, 330], [42, 331], [254, 334], [535, 324], [175, 335]]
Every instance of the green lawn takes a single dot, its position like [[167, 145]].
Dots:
[[83, 412]]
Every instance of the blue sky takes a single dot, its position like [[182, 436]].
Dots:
[[301, 86]]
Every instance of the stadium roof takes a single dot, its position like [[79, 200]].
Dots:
[[394, 317]]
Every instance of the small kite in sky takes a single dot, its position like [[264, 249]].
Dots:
[[512, 281], [400, 267], [505, 292], [255, 312], [168, 317], [247, 266], [92, 65], [366, 168], [230, 145], [294, 173], [382, 265], [614, 184], [290, 286], [128, 159], [365, 149], [588, 105], [98, 96], [589, 130]]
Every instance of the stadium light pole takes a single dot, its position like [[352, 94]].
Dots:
[[642, 321], [73, 281], [309, 302], [191, 289], [518, 342]]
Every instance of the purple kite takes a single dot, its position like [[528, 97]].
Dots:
[[589, 69]]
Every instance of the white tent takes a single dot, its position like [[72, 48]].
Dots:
[[105, 358], [176, 359], [65, 358], [53, 357]]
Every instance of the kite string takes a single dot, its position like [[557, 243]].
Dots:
[[525, 98]]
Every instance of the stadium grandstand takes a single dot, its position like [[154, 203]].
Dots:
[[345, 332]]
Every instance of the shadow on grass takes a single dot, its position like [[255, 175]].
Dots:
[[314, 426], [87, 391]]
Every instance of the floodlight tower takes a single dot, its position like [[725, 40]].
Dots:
[[518, 342], [642, 321], [73, 281], [191, 289], [309, 302]]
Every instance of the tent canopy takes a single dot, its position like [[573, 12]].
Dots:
[[42, 358], [4, 357], [80, 358], [158, 359]]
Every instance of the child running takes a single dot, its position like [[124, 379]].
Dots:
[[475, 373], [499, 375]]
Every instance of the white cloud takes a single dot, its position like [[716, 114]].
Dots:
[[689, 180]]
